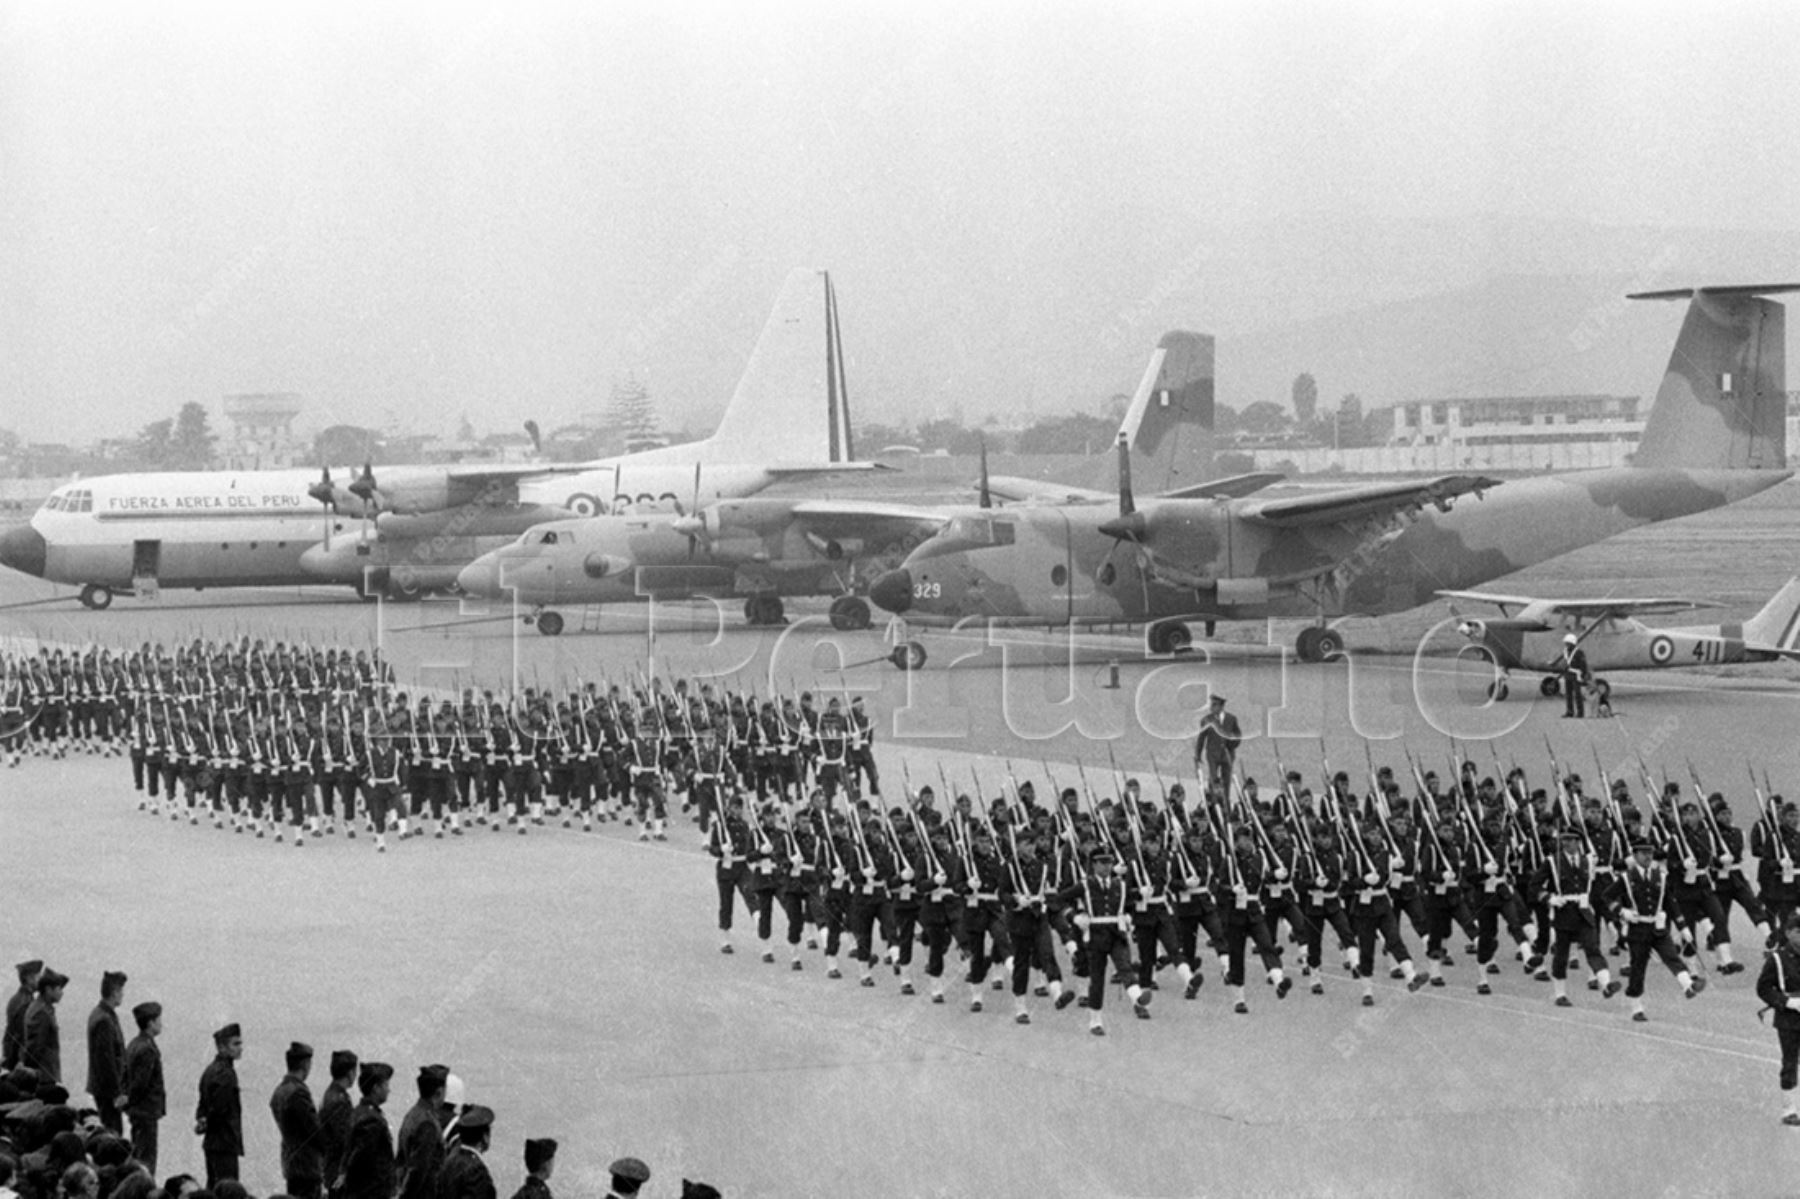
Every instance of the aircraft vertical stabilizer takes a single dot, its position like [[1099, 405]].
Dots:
[[1777, 626], [1169, 423], [790, 406], [1723, 399]]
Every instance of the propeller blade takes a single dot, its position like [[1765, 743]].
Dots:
[[987, 496], [1126, 504], [327, 497]]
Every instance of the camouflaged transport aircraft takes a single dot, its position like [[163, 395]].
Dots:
[[1715, 435], [765, 549]]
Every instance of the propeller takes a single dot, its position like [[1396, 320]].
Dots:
[[691, 522], [363, 488], [326, 494], [537, 440], [1129, 524], [987, 496]]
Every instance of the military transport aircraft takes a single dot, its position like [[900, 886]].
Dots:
[[1529, 634], [405, 530], [1715, 435], [766, 548]]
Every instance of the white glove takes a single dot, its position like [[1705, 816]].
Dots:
[[1724, 859], [906, 876], [1372, 878], [1081, 921], [1281, 873], [1688, 863], [868, 872], [1492, 868], [939, 880], [1794, 1004]]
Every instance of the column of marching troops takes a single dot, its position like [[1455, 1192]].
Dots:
[[342, 1147], [1131, 882], [296, 743]]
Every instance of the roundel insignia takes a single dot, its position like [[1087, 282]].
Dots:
[[1662, 650], [583, 504]]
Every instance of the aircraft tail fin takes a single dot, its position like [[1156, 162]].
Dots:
[[1777, 626], [791, 404], [1723, 399], [1169, 422]]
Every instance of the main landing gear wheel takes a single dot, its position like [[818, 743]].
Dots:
[[550, 623], [1316, 644], [1170, 637], [763, 609], [910, 656], [1498, 690], [97, 598], [849, 612], [1550, 686]]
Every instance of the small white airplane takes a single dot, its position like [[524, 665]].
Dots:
[[405, 530], [1529, 634]]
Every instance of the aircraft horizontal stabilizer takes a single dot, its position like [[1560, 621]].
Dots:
[[1362, 503], [1231, 488]]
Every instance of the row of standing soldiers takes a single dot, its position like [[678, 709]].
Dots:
[[1015, 881]]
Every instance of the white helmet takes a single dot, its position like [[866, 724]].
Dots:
[[1569, 639]]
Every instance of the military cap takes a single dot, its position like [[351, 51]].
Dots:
[[1571, 834], [432, 1077], [1217, 698], [228, 1032], [699, 1190], [475, 1118], [27, 969], [537, 1153], [1103, 850], [50, 978], [1642, 844], [342, 1060], [143, 1013], [630, 1169], [111, 980], [298, 1051], [372, 1073]]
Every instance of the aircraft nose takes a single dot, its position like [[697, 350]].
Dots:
[[478, 577], [893, 591], [23, 549]]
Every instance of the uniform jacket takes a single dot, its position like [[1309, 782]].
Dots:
[[335, 1111], [1566, 885], [220, 1112], [1780, 982], [144, 1095], [533, 1188], [465, 1176], [298, 1120], [43, 1039], [106, 1055], [421, 1152], [369, 1156]]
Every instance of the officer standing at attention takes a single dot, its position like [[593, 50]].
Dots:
[[465, 1174], [302, 1166], [1215, 749], [540, 1161], [1575, 677], [106, 1052], [145, 1100], [368, 1171], [219, 1118]]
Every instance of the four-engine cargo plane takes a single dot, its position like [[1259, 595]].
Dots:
[[1529, 634], [403, 530], [1715, 435], [765, 548]]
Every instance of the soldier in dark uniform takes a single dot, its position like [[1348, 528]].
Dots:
[[628, 1177], [1215, 748], [1640, 896], [1565, 881], [1104, 916], [1779, 987], [42, 1049], [1237, 877], [464, 1174], [540, 1162], [420, 1148], [16, 1005], [335, 1111], [859, 757], [219, 1116], [1775, 842], [369, 1171], [146, 1102], [302, 1166], [106, 1052]]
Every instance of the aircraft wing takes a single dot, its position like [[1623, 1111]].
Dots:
[[1586, 609], [866, 520], [489, 472], [1354, 504], [1231, 488], [1015, 489], [808, 470]]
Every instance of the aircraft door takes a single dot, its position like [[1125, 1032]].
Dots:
[[146, 564]]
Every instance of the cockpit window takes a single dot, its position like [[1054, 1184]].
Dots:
[[980, 530], [547, 539]]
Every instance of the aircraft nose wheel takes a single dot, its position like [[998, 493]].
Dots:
[[1497, 690], [1315, 644], [550, 623], [97, 598], [763, 609], [849, 613], [910, 656], [1170, 637]]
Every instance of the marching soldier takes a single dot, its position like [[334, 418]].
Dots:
[[1566, 882], [1779, 988], [1640, 895]]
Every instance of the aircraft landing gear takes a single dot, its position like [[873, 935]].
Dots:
[[1169, 637], [910, 656], [849, 613], [97, 598], [1318, 643], [1498, 690], [1550, 686], [763, 610], [549, 623]]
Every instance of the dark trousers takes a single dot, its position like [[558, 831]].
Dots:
[[730, 882], [143, 1141], [793, 905], [1242, 927], [865, 911], [1790, 1055], [1368, 919], [934, 922], [1033, 945], [1585, 935], [1642, 945], [220, 1167], [902, 919], [1105, 942], [981, 922], [1735, 888], [305, 1188], [1149, 930], [1320, 916]]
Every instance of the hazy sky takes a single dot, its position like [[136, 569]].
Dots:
[[407, 213]]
